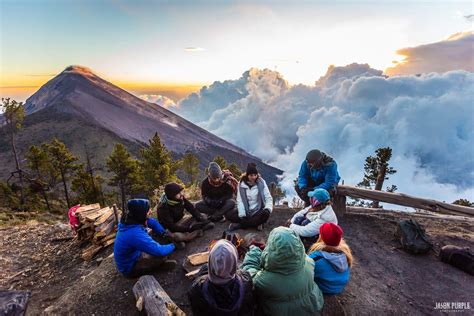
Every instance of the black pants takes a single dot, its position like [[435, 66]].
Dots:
[[146, 264], [189, 224], [310, 187], [258, 218], [217, 213]]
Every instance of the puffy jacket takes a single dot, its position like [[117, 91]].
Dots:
[[132, 240], [325, 178], [169, 215], [331, 271], [283, 276], [253, 195], [316, 220], [234, 298]]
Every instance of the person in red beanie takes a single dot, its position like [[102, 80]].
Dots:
[[332, 259]]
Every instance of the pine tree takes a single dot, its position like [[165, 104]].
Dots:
[[157, 166], [221, 162], [14, 114], [125, 170], [87, 186], [64, 162], [377, 170], [44, 175], [190, 167], [233, 167]]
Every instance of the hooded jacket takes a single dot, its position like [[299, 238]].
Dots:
[[283, 276], [327, 177], [257, 194], [233, 298], [132, 240], [331, 271], [316, 219]]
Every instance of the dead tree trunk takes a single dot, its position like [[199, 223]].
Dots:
[[379, 183], [153, 299]]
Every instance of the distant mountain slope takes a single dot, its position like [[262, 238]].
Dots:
[[82, 109]]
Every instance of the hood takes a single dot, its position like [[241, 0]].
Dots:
[[338, 260], [284, 252]]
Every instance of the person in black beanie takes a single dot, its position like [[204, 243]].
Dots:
[[254, 201], [318, 171], [217, 194], [135, 252], [170, 213]]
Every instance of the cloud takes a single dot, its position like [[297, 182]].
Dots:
[[194, 49], [454, 53], [350, 112], [161, 100]]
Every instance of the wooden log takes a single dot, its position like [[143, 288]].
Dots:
[[405, 200], [86, 208], [198, 258], [382, 211], [153, 299], [105, 216], [339, 205], [108, 242], [191, 275], [92, 217], [90, 252]]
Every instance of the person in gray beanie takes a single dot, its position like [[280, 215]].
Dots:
[[217, 194], [318, 171], [221, 288]]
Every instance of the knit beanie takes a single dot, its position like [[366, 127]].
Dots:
[[331, 234], [223, 260], [137, 211], [251, 168], [171, 189], [318, 196], [215, 170], [314, 156]]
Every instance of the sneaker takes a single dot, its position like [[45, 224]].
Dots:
[[260, 227], [208, 226], [168, 265], [233, 226]]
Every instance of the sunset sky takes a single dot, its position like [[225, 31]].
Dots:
[[174, 47]]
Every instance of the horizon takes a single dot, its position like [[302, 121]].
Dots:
[[174, 49]]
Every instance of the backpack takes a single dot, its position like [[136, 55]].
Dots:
[[459, 257], [412, 236], [73, 220]]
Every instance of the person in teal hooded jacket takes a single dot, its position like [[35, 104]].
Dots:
[[318, 171], [332, 259], [283, 276], [135, 252]]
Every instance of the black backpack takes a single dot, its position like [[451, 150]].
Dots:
[[412, 236], [459, 257]]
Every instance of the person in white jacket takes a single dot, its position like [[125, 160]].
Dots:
[[254, 201], [306, 223]]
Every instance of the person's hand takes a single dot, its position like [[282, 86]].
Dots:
[[203, 218]]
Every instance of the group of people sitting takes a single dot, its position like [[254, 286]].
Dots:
[[287, 273]]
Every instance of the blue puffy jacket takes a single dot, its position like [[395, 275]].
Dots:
[[132, 240], [331, 271], [325, 178]]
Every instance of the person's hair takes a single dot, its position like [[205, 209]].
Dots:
[[245, 177], [343, 247]]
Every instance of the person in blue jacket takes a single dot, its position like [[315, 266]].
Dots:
[[318, 171], [332, 259], [135, 252]]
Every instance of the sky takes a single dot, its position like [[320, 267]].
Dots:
[[171, 48]]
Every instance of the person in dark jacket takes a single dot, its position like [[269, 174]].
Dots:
[[217, 195], [135, 252], [170, 212], [222, 288], [318, 171], [332, 259]]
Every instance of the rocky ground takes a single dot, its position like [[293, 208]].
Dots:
[[40, 258]]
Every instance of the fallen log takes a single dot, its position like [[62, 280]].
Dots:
[[405, 200], [153, 299], [198, 258]]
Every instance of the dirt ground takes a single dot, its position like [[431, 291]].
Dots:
[[384, 279]]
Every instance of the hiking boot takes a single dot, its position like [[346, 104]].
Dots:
[[233, 226], [168, 265], [219, 219], [180, 245], [208, 226], [260, 227]]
